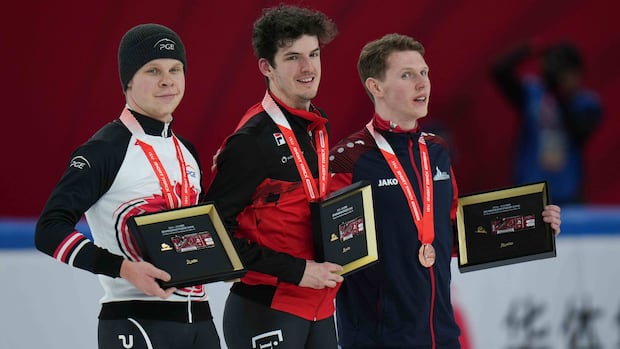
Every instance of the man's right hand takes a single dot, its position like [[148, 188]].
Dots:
[[142, 275], [321, 275]]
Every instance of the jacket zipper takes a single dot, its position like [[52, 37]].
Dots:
[[431, 270]]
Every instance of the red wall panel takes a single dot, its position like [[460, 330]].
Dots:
[[60, 60]]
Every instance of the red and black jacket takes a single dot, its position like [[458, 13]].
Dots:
[[258, 192]]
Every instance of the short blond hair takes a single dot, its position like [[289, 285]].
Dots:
[[372, 62]]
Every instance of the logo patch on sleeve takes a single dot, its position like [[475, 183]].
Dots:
[[79, 162]]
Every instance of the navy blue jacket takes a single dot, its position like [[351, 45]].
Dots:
[[398, 303]]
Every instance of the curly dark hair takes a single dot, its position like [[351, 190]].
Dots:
[[279, 26]]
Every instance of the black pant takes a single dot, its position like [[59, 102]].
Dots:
[[249, 325], [157, 334]]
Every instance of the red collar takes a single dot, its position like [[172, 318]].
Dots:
[[314, 116], [385, 125]]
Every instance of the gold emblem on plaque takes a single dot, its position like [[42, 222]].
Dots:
[[165, 247]]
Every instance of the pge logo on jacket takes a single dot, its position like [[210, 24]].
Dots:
[[79, 162]]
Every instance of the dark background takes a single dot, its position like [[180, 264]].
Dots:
[[60, 64]]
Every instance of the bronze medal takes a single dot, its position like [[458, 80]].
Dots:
[[427, 255]]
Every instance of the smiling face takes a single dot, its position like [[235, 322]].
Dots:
[[157, 88], [402, 96], [296, 73]]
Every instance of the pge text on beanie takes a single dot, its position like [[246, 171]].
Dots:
[[144, 43]]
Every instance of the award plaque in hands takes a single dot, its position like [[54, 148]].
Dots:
[[344, 228], [190, 243], [503, 227]]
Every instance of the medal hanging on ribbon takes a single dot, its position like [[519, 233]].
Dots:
[[423, 218]]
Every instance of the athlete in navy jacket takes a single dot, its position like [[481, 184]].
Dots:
[[404, 300]]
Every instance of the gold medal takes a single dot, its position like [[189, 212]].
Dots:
[[427, 255]]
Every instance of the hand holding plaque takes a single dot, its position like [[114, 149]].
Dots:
[[190, 243], [344, 228], [503, 227]]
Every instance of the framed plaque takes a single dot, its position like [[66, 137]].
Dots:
[[503, 227], [190, 243], [344, 228]]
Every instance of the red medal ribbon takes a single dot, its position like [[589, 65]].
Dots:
[[167, 188], [321, 144], [423, 221]]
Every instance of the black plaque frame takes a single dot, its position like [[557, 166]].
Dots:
[[344, 228], [503, 227], [190, 243]]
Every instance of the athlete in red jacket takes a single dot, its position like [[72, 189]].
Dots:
[[266, 174]]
